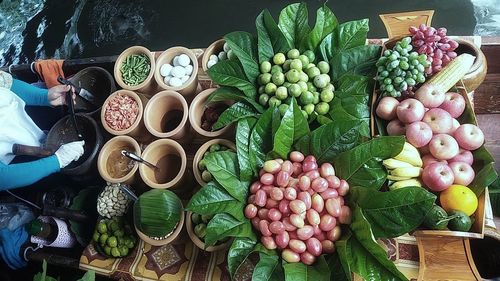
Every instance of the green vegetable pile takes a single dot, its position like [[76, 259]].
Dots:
[[205, 174], [113, 238], [135, 69]]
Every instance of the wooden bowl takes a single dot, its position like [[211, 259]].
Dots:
[[196, 111], [201, 151], [477, 73], [215, 47], [147, 86], [157, 110], [117, 144], [200, 244], [170, 239]]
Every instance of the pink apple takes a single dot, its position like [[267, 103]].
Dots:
[[469, 136], [463, 173], [443, 146], [418, 134], [429, 97], [438, 176], [463, 156], [410, 110], [455, 125], [386, 108], [429, 159], [454, 103], [396, 128], [439, 120]]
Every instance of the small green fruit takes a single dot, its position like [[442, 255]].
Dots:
[[265, 67], [279, 58]]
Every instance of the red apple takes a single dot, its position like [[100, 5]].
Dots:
[[469, 136], [438, 176], [386, 108], [463, 173], [418, 134], [410, 110], [429, 97], [396, 128], [443, 146], [429, 159], [454, 103], [454, 127], [463, 156], [439, 120]]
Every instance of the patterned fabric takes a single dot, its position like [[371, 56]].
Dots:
[[5, 80]]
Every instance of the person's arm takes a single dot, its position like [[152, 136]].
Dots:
[[23, 174], [30, 94]]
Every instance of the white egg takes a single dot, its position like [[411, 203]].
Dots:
[[175, 82], [214, 58], [184, 60], [189, 69], [226, 47], [210, 63], [178, 71], [165, 69], [184, 78], [175, 61], [167, 79], [222, 56]]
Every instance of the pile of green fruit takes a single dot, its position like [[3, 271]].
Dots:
[[400, 69], [296, 75], [205, 174], [113, 238]]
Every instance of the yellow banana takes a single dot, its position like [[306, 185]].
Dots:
[[392, 163], [405, 183], [410, 155], [397, 178], [407, 172]]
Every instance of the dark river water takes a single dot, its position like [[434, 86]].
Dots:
[[84, 28]]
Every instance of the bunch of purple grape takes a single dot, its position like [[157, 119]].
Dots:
[[440, 49]]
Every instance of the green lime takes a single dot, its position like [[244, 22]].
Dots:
[[303, 77], [265, 67], [273, 101], [111, 241], [309, 66], [309, 108], [206, 176], [321, 80], [114, 226], [293, 76], [322, 108], [281, 93], [436, 218], [460, 221], [304, 59], [196, 218], [293, 54], [107, 250], [118, 233], [123, 251], [313, 72], [263, 99], [214, 147], [326, 95], [306, 98], [310, 55], [200, 230], [276, 68], [324, 67], [296, 64], [231, 55], [316, 98], [115, 252], [279, 58], [265, 78], [270, 88], [283, 108], [103, 239], [278, 78], [96, 236], [201, 165], [295, 90], [102, 228], [303, 86]]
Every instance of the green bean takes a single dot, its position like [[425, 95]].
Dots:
[[135, 69]]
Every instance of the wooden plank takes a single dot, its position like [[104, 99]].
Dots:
[[489, 124], [491, 53], [487, 96]]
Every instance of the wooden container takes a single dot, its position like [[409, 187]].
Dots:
[[477, 73], [196, 111], [201, 151], [214, 48], [148, 86], [397, 24], [115, 145], [200, 244], [172, 238], [164, 107]]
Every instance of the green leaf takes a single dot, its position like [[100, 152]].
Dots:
[[240, 249], [244, 47], [293, 22], [326, 22], [358, 60], [223, 94], [270, 38], [336, 269], [393, 213], [344, 250], [326, 47], [261, 139], [368, 258], [234, 113], [224, 225], [223, 165], [88, 276], [266, 266], [494, 191], [350, 34], [293, 126], [372, 175], [243, 131], [213, 199], [301, 272], [486, 176], [352, 161], [230, 73]]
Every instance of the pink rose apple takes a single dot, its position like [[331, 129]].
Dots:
[[418, 134], [386, 108], [454, 103], [410, 110], [396, 128], [438, 176], [429, 97], [439, 120], [463, 173], [429, 159], [443, 147], [469, 136], [463, 156]]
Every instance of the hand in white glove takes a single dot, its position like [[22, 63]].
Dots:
[[69, 152]]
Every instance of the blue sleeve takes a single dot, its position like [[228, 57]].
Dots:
[[23, 174], [30, 94]]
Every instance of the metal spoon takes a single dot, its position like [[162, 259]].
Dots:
[[135, 157]]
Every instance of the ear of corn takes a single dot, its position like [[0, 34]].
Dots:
[[452, 73]]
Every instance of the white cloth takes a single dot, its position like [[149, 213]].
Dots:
[[15, 125]]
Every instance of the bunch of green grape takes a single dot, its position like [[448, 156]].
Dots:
[[296, 75], [400, 69]]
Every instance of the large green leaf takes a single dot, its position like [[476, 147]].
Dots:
[[223, 94], [350, 34], [358, 60], [326, 22], [243, 131], [270, 38], [223, 165], [230, 73], [301, 272], [326, 47], [213, 199], [494, 191], [261, 139], [293, 22], [234, 113], [373, 175], [343, 249], [393, 213], [244, 47], [224, 225], [365, 256], [292, 127], [266, 266], [240, 249], [486, 176], [336, 269]]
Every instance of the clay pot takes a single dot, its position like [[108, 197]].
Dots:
[[149, 86], [196, 111], [187, 89], [113, 148], [201, 151], [161, 109], [171, 172], [200, 244], [170, 239], [477, 73], [214, 48], [138, 129]]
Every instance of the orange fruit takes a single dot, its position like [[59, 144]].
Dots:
[[460, 198]]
